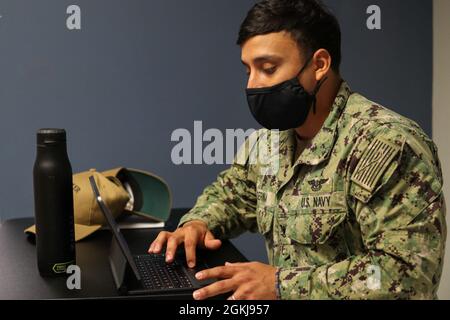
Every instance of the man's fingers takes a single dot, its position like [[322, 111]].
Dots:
[[215, 289], [172, 245], [213, 244], [241, 293], [209, 236], [217, 272], [210, 242], [159, 242], [237, 264], [190, 244]]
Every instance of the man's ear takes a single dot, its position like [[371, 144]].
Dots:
[[322, 63]]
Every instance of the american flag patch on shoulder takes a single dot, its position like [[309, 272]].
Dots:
[[374, 163]]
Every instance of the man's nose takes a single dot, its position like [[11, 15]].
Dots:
[[254, 83]]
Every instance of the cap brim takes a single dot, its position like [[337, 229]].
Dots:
[[153, 198], [81, 231]]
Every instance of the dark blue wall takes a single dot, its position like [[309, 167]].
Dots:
[[140, 69]]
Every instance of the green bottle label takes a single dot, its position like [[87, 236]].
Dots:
[[62, 267]]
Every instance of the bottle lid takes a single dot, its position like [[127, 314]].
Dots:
[[51, 136]]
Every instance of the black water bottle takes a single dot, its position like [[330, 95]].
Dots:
[[53, 201]]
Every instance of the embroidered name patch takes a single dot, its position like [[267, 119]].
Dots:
[[374, 163], [331, 201]]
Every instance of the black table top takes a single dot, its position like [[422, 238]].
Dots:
[[20, 279]]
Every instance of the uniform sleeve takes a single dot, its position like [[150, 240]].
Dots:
[[396, 198], [228, 206]]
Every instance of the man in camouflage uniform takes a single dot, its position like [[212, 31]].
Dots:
[[355, 212]]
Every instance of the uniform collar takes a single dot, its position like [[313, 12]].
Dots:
[[322, 144]]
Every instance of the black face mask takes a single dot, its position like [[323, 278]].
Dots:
[[284, 106]]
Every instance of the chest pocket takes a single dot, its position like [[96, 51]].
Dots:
[[316, 212], [265, 220]]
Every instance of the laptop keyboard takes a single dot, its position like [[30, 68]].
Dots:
[[158, 275]]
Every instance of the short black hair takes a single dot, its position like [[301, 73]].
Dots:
[[309, 22]]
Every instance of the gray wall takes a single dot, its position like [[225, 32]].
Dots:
[[441, 110], [140, 69]]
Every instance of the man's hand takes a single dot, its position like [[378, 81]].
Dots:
[[193, 234], [247, 281]]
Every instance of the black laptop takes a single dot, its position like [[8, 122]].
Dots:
[[149, 273]]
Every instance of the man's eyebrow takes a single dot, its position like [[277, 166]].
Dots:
[[263, 58]]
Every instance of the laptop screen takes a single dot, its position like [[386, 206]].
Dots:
[[118, 237]]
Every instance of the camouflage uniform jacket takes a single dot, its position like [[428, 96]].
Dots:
[[359, 215]]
